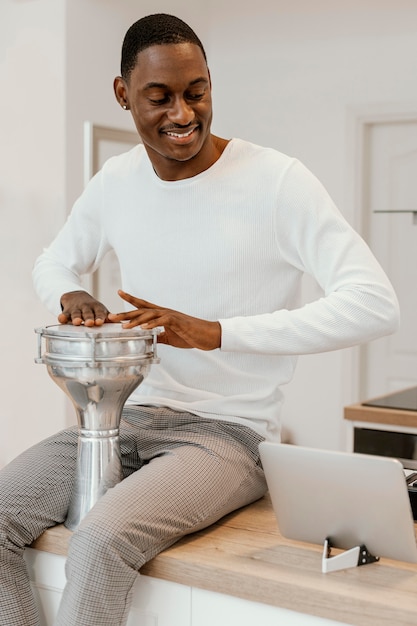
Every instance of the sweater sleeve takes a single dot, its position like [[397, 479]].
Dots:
[[358, 303], [77, 250]]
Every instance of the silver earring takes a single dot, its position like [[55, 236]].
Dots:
[[124, 106]]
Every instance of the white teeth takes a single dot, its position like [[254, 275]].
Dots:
[[180, 135]]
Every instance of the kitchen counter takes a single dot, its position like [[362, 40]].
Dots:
[[245, 556], [381, 415], [389, 409]]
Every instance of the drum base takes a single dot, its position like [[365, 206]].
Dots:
[[99, 468]]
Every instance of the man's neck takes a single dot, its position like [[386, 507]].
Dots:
[[172, 170]]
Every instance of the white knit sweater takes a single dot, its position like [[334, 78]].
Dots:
[[230, 244]]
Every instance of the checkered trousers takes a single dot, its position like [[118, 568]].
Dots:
[[181, 474]]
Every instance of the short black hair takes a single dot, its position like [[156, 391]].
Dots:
[[156, 29]]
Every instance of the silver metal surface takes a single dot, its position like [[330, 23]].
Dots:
[[98, 368]]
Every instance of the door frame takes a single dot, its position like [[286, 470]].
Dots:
[[359, 121]]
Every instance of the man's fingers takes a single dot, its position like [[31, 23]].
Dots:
[[137, 302], [147, 320], [63, 318], [139, 316], [79, 307]]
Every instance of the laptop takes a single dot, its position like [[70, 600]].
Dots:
[[351, 499]]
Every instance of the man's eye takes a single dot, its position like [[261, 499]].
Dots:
[[196, 96], [161, 100]]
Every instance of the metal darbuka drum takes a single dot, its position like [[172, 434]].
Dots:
[[98, 368]]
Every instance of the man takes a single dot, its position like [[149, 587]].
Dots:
[[218, 233]]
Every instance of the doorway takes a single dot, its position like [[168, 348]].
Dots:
[[389, 225]]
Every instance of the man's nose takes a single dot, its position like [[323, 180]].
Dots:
[[181, 112]]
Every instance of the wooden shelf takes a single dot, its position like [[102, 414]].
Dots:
[[379, 415]]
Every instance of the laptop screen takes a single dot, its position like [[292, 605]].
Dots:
[[351, 498]]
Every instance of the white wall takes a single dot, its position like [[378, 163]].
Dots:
[[288, 75], [32, 205]]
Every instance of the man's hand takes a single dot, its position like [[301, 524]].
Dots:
[[79, 307], [180, 330]]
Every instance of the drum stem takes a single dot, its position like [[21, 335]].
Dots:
[[99, 468]]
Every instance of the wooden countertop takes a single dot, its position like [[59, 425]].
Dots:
[[379, 415], [244, 555]]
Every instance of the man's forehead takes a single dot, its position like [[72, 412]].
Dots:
[[201, 80], [172, 66]]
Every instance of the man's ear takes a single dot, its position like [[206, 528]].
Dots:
[[120, 91]]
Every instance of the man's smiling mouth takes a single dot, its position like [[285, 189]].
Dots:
[[180, 135], [172, 134]]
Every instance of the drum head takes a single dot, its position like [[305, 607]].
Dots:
[[106, 331]]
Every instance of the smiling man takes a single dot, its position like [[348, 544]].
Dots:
[[217, 233]]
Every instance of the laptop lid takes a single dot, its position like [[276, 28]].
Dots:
[[350, 498]]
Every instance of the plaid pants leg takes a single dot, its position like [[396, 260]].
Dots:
[[192, 471], [34, 495]]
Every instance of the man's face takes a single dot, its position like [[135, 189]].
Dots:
[[169, 95]]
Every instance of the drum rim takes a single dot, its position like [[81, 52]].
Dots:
[[96, 332], [63, 360]]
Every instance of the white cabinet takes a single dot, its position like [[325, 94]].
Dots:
[[155, 602], [159, 602], [210, 608], [47, 575]]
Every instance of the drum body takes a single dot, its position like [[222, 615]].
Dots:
[[98, 368]]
